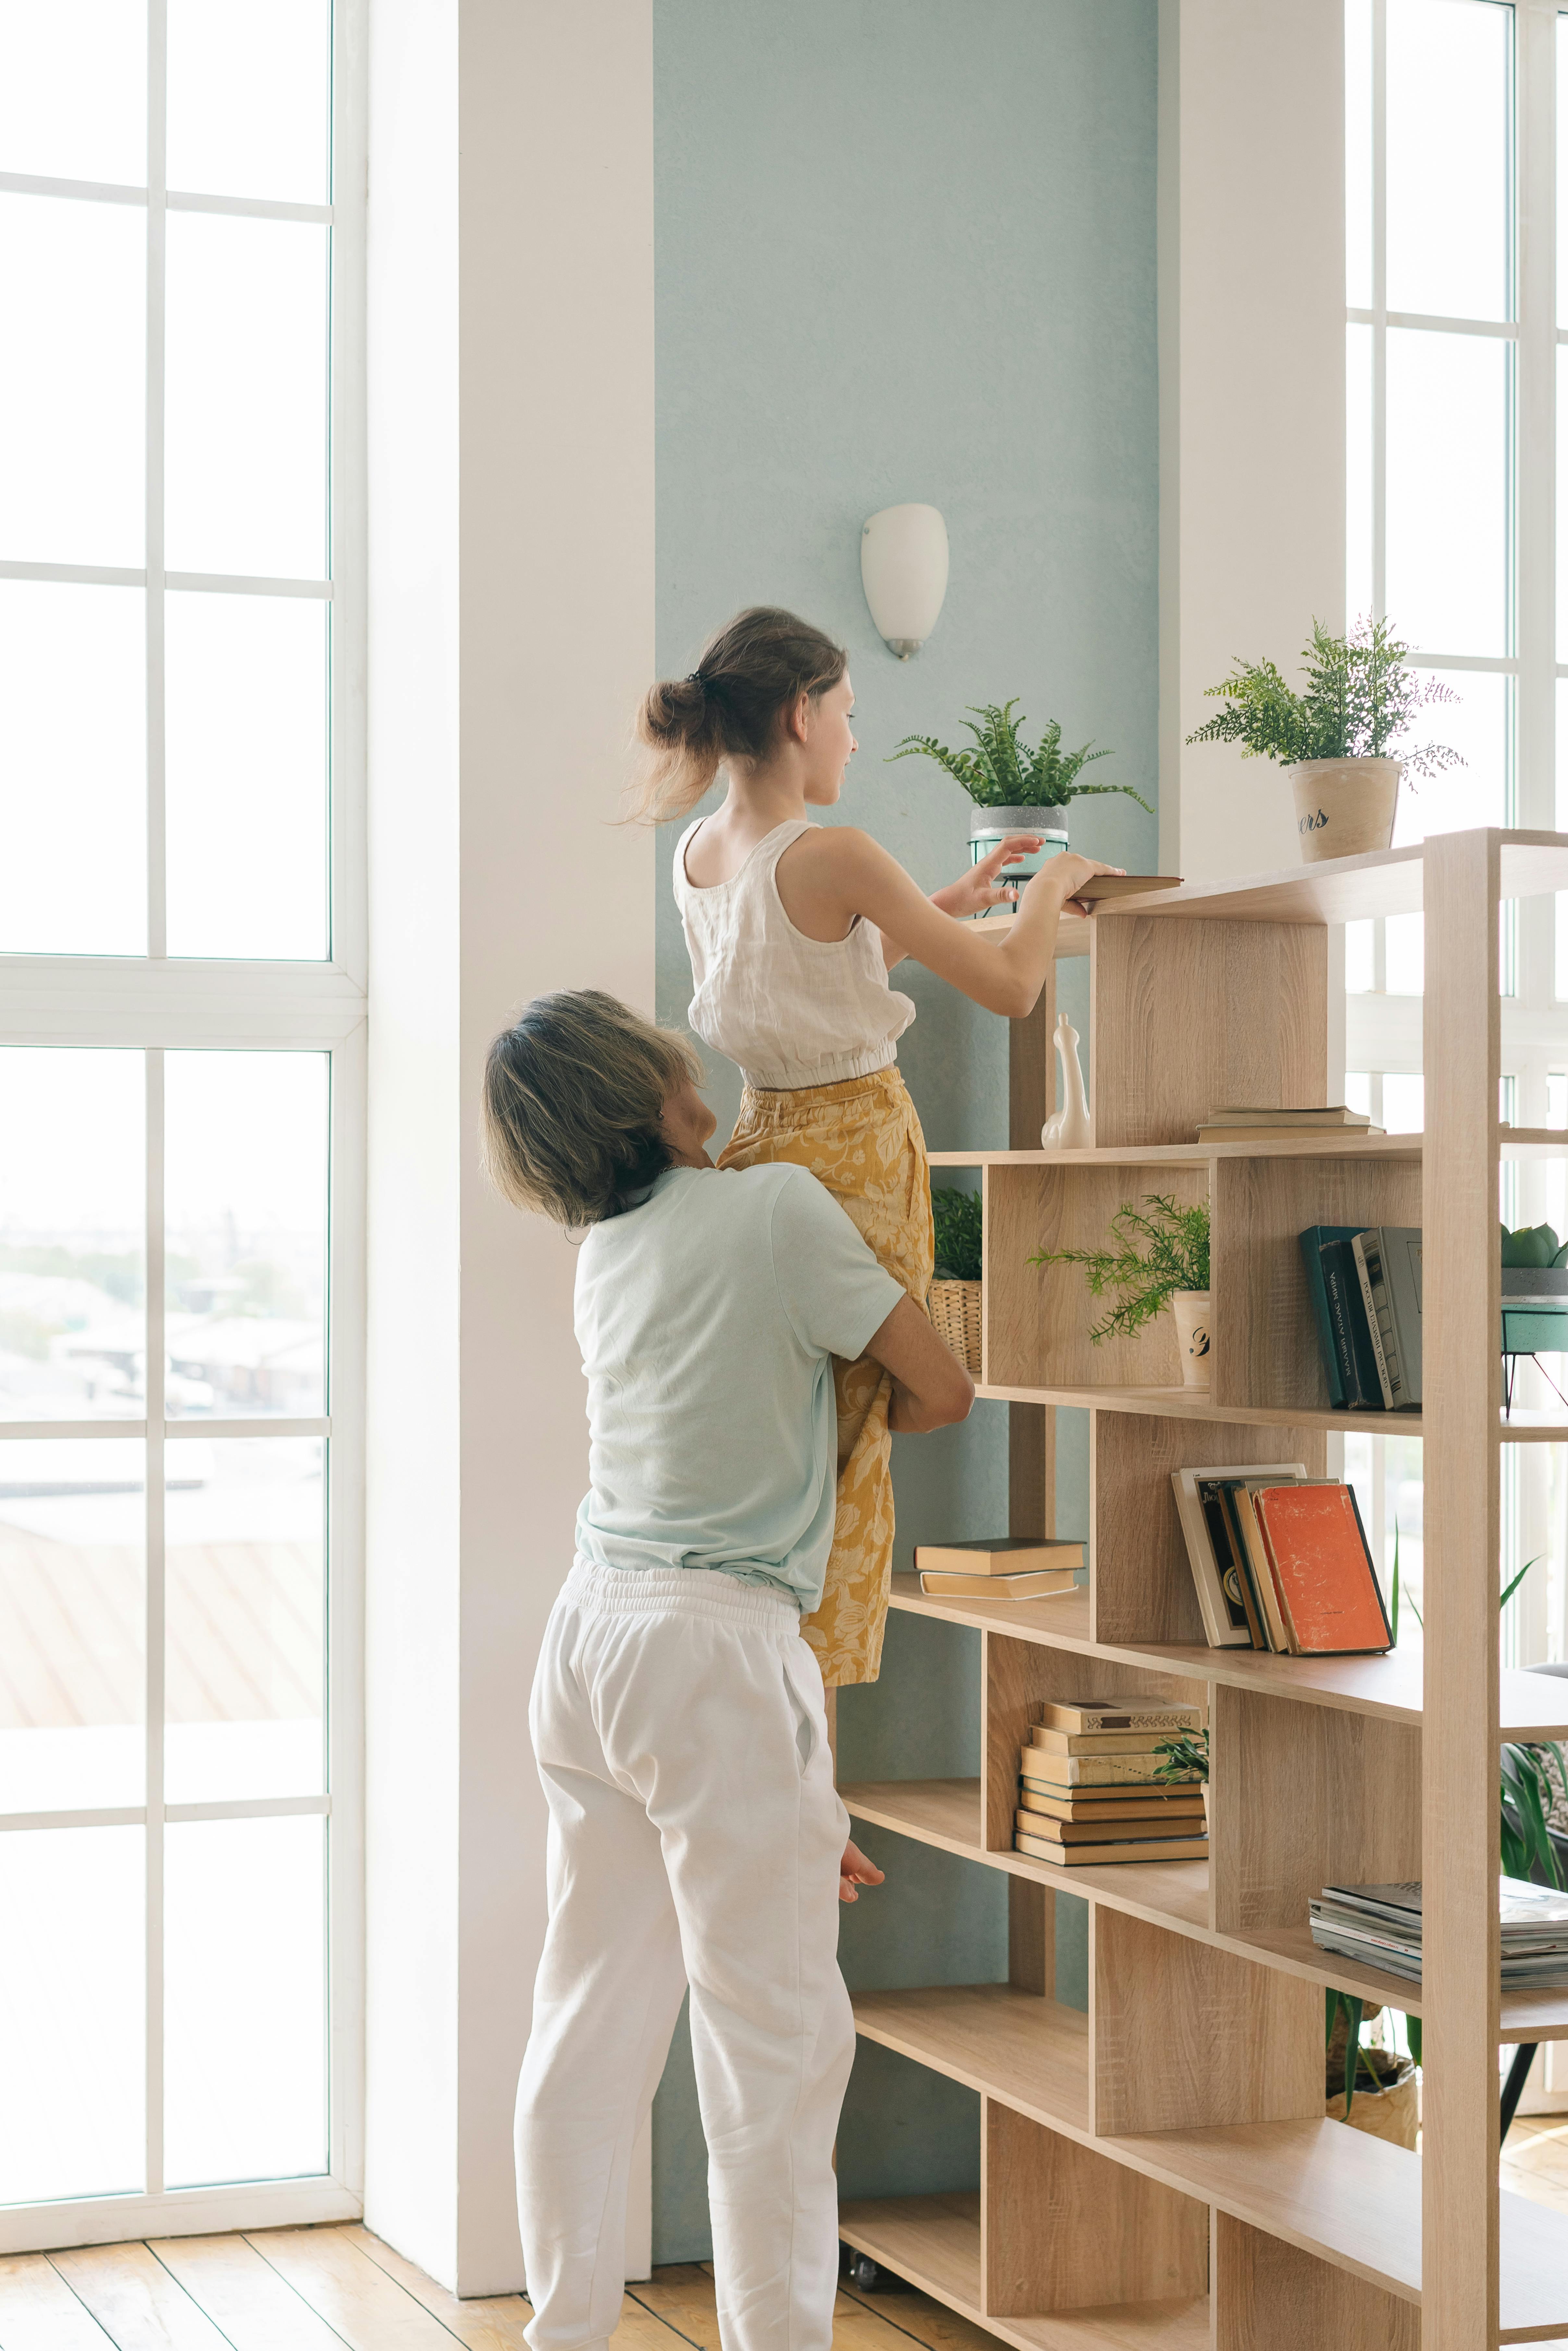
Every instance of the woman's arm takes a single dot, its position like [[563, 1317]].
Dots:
[[830, 876]]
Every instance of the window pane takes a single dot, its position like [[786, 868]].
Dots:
[[1477, 724], [72, 1623], [1563, 482], [1358, 596], [1358, 1092], [245, 1615], [73, 877], [1403, 1100], [73, 299], [1358, 958], [1404, 968], [249, 92], [73, 89], [73, 1338], [245, 2021], [1449, 141], [246, 442], [72, 1974], [246, 1178], [1561, 171], [1358, 154], [1447, 489], [246, 805]]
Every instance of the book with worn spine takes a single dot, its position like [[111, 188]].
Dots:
[[1322, 1570], [1043, 1585], [1141, 1829], [1118, 1714], [1055, 1773], [1071, 1857], [1090, 1743], [1114, 1804], [1388, 1268], [998, 1555], [1211, 1550]]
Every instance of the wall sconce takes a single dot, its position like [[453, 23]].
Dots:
[[903, 571]]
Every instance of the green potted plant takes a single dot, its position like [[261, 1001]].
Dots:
[[954, 1301], [1014, 790], [1336, 741], [1169, 1269], [1186, 1758]]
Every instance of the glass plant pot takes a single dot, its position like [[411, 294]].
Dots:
[[989, 827]]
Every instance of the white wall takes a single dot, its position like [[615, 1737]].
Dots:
[[511, 630], [1251, 325]]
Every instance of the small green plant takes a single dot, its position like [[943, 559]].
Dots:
[[1376, 2069], [1003, 772], [1359, 702], [1535, 1246], [1186, 1757], [1175, 1257], [956, 1218]]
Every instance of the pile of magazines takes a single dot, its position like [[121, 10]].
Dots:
[[1381, 1926]]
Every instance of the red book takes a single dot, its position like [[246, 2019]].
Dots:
[[1323, 1571]]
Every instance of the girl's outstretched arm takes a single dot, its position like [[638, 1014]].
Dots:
[[830, 876]]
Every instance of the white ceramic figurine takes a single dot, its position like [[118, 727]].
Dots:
[[1070, 1129]]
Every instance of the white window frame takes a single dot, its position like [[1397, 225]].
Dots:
[[158, 1004], [1383, 1032]]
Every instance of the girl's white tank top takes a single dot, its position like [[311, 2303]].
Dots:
[[790, 1010]]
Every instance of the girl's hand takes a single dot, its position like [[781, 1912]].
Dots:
[[1064, 875], [979, 889], [856, 1870]]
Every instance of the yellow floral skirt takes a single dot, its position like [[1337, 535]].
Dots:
[[862, 1140]]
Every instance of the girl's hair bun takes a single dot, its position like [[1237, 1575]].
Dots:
[[753, 669]]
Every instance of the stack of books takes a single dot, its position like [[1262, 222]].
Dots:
[[1241, 1122], [1381, 1926], [1365, 1292], [1280, 1561], [1087, 1789], [998, 1567]]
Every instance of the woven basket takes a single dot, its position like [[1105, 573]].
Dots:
[[956, 1319]]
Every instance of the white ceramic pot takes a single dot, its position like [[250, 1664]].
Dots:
[[989, 827], [1191, 1309], [1344, 807]]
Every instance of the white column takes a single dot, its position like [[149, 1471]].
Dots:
[[511, 628], [1251, 338]]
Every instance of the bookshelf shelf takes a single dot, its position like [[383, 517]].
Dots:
[[1190, 1404], [1030, 2052], [1531, 1706], [934, 2241], [1192, 2092]]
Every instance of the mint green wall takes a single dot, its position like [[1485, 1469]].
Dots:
[[905, 249]]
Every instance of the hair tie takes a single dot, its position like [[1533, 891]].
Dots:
[[695, 677]]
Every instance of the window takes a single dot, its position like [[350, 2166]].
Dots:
[[1456, 393], [182, 1010]]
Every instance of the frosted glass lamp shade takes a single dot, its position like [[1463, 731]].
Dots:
[[903, 571]]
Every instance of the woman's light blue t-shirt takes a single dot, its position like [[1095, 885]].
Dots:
[[707, 1319]]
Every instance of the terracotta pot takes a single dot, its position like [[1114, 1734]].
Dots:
[[1344, 807], [1191, 1309]]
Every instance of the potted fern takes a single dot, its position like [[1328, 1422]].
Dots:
[[1336, 741], [1015, 790], [1170, 1268]]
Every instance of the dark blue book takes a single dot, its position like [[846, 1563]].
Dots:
[[1351, 1334], [1312, 1244]]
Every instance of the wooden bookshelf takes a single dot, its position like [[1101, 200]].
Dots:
[[1160, 2170]]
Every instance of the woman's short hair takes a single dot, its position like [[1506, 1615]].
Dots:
[[573, 1092], [751, 670]]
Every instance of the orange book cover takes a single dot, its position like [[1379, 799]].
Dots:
[[1323, 1570]]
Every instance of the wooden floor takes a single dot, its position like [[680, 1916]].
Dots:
[[320, 2289]]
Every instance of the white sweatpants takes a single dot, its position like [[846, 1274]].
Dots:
[[695, 1836]]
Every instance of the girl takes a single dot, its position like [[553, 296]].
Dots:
[[792, 929]]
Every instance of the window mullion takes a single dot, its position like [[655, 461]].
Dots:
[[157, 243], [1534, 488], [154, 1386]]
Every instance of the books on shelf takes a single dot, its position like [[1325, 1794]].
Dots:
[[1381, 1926], [1043, 1739], [1365, 1285], [1243, 1123], [1288, 1556], [1388, 1268], [1118, 1714], [1211, 1550], [1113, 1805], [998, 1567], [1145, 1830], [999, 1555], [1042, 1770], [1079, 1856], [996, 1587]]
